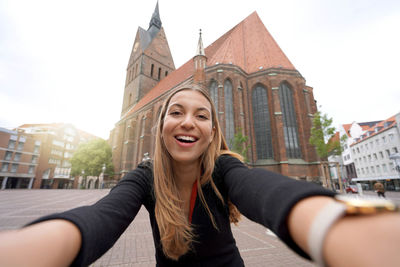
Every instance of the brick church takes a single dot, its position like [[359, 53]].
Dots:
[[256, 89]]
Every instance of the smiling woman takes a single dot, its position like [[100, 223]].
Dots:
[[193, 190]]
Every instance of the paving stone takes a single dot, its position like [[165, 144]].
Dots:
[[135, 247]]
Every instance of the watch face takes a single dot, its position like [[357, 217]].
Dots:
[[366, 205]]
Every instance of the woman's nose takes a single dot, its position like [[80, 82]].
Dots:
[[187, 122]]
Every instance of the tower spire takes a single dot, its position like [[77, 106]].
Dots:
[[155, 19], [200, 60], [200, 47]]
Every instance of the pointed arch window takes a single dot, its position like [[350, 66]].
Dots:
[[289, 121], [229, 115], [262, 123], [214, 94]]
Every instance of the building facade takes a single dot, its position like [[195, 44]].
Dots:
[[372, 153], [256, 89], [38, 155], [19, 154]]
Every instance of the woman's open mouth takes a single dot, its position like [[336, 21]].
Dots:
[[186, 139]]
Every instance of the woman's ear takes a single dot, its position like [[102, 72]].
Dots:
[[212, 134]]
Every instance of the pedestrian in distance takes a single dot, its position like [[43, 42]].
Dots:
[[193, 189], [379, 189]]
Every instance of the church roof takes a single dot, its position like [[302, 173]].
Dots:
[[248, 45]]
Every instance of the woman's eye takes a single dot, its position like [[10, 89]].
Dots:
[[174, 113], [203, 117]]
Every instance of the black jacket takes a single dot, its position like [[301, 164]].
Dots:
[[262, 196]]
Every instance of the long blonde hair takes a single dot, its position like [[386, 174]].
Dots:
[[176, 232]]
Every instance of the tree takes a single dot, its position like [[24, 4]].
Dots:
[[322, 136], [90, 157], [240, 144]]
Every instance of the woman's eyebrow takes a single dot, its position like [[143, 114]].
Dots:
[[182, 107]]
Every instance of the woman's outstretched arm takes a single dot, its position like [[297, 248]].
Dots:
[[50, 243], [363, 240]]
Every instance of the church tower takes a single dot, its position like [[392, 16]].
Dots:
[[200, 60], [149, 63]]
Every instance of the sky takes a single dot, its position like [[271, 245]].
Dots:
[[65, 61]]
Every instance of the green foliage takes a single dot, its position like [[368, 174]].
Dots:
[[322, 134], [90, 157], [240, 145]]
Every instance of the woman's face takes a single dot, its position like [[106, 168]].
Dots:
[[188, 129]]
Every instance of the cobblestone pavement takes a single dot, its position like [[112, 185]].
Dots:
[[135, 248]]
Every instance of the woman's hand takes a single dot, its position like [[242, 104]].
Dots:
[[50, 243]]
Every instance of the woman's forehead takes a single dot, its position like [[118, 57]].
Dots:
[[190, 97]]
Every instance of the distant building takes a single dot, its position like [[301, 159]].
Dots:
[[371, 153], [19, 154], [351, 131], [46, 150], [256, 89]]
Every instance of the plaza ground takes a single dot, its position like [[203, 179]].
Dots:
[[257, 245]]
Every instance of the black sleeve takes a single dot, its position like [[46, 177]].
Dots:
[[102, 223], [266, 197]]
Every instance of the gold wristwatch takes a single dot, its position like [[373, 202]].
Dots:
[[344, 205], [366, 205]]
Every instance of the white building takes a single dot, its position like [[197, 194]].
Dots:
[[371, 154], [352, 131]]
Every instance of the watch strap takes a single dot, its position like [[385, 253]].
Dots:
[[319, 228]]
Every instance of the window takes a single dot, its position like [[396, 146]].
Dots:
[[369, 158], [384, 139], [384, 168], [372, 169], [4, 167], [17, 157], [371, 144], [375, 156], [166, 73], [20, 146], [11, 144], [46, 174], [395, 150], [159, 73], [365, 159], [58, 143], [289, 122], [366, 146], [391, 137], [229, 116], [358, 150], [34, 159], [381, 154], [214, 94], [31, 169], [362, 170], [378, 169], [262, 123], [14, 167], [36, 149], [8, 155], [391, 168], [56, 152], [152, 70], [377, 142], [387, 152], [367, 170]]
